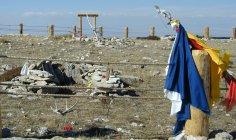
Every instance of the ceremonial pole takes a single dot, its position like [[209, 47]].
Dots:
[[198, 125]]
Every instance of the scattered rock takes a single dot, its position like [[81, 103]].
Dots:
[[223, 136], [43, 131]]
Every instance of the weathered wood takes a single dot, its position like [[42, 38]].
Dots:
[[207, 32], [7, 76], [126, 32], [80, 25], [198, 125], [21, 28], [74, 31], [51, 31], [100, 30], [80, 21], [234, 33], [95, 23], [89, 15], [108, 73], [152, 31]]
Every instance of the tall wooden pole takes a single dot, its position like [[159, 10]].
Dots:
[[100, 30], [234, 33], [80, 26], [126, 32], [95, 23], [74, 31], [198, 125], [207, 32], [21, 29], [152, 31], [51, 31]]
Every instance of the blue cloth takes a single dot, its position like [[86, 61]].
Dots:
[[183, 78]]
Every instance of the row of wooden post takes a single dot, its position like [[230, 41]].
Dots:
[[198, 125], [126, 32]]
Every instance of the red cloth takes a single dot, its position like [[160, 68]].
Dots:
[[68, 128], [194, 44], [230, 100]]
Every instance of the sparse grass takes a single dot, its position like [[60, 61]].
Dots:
[[154, 114]]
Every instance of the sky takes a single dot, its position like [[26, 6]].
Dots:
[[115, 15]]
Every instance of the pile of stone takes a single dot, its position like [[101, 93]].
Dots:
[[168, 37], [214, 135], [103, 80], [34, 74], [99, 78], [113, 42]]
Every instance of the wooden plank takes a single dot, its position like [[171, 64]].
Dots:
[[89, 15], [198, 125]]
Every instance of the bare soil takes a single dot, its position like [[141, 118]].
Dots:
[[137, 118]]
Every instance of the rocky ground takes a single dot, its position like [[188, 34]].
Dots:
[[32, 116]]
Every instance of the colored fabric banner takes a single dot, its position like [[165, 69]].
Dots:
[[184, 86], [218, 65], [230, 101]]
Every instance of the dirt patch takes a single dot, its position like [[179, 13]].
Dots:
[[139, 118]]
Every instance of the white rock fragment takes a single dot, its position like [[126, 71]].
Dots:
[[223, 136]]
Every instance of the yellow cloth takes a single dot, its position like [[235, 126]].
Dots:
[[218, 66]]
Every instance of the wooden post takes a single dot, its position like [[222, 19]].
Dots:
[[152, 31], [74, 31], [198, 125], [126, 32], [21, 28], [51, 31], [107, 73], [207, 32], [81, 22], [234, 33], [80, 26], [100, 30], [95, 23]]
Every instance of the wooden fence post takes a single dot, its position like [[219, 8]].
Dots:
[[51, 31], [74, 31], [100, 30], [126, 32], [80, 26], [207, 32], [198, 125], [21, 28], [152, 31], [108, 73], [95, 23], [234, 33]]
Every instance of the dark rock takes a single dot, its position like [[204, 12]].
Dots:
[[149, 38], [213, 133], [233, 133]]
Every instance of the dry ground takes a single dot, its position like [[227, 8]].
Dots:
[[26, 115]]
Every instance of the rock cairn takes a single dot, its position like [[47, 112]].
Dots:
[[99, 78]]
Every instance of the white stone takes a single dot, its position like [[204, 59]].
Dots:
[[7, 67], [227, 115], [37, 78], [40, 73], [112, 80], [195, 138], [87, 39], [41, 83], [223, 136]]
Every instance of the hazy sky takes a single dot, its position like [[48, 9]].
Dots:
[[114, 15]]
